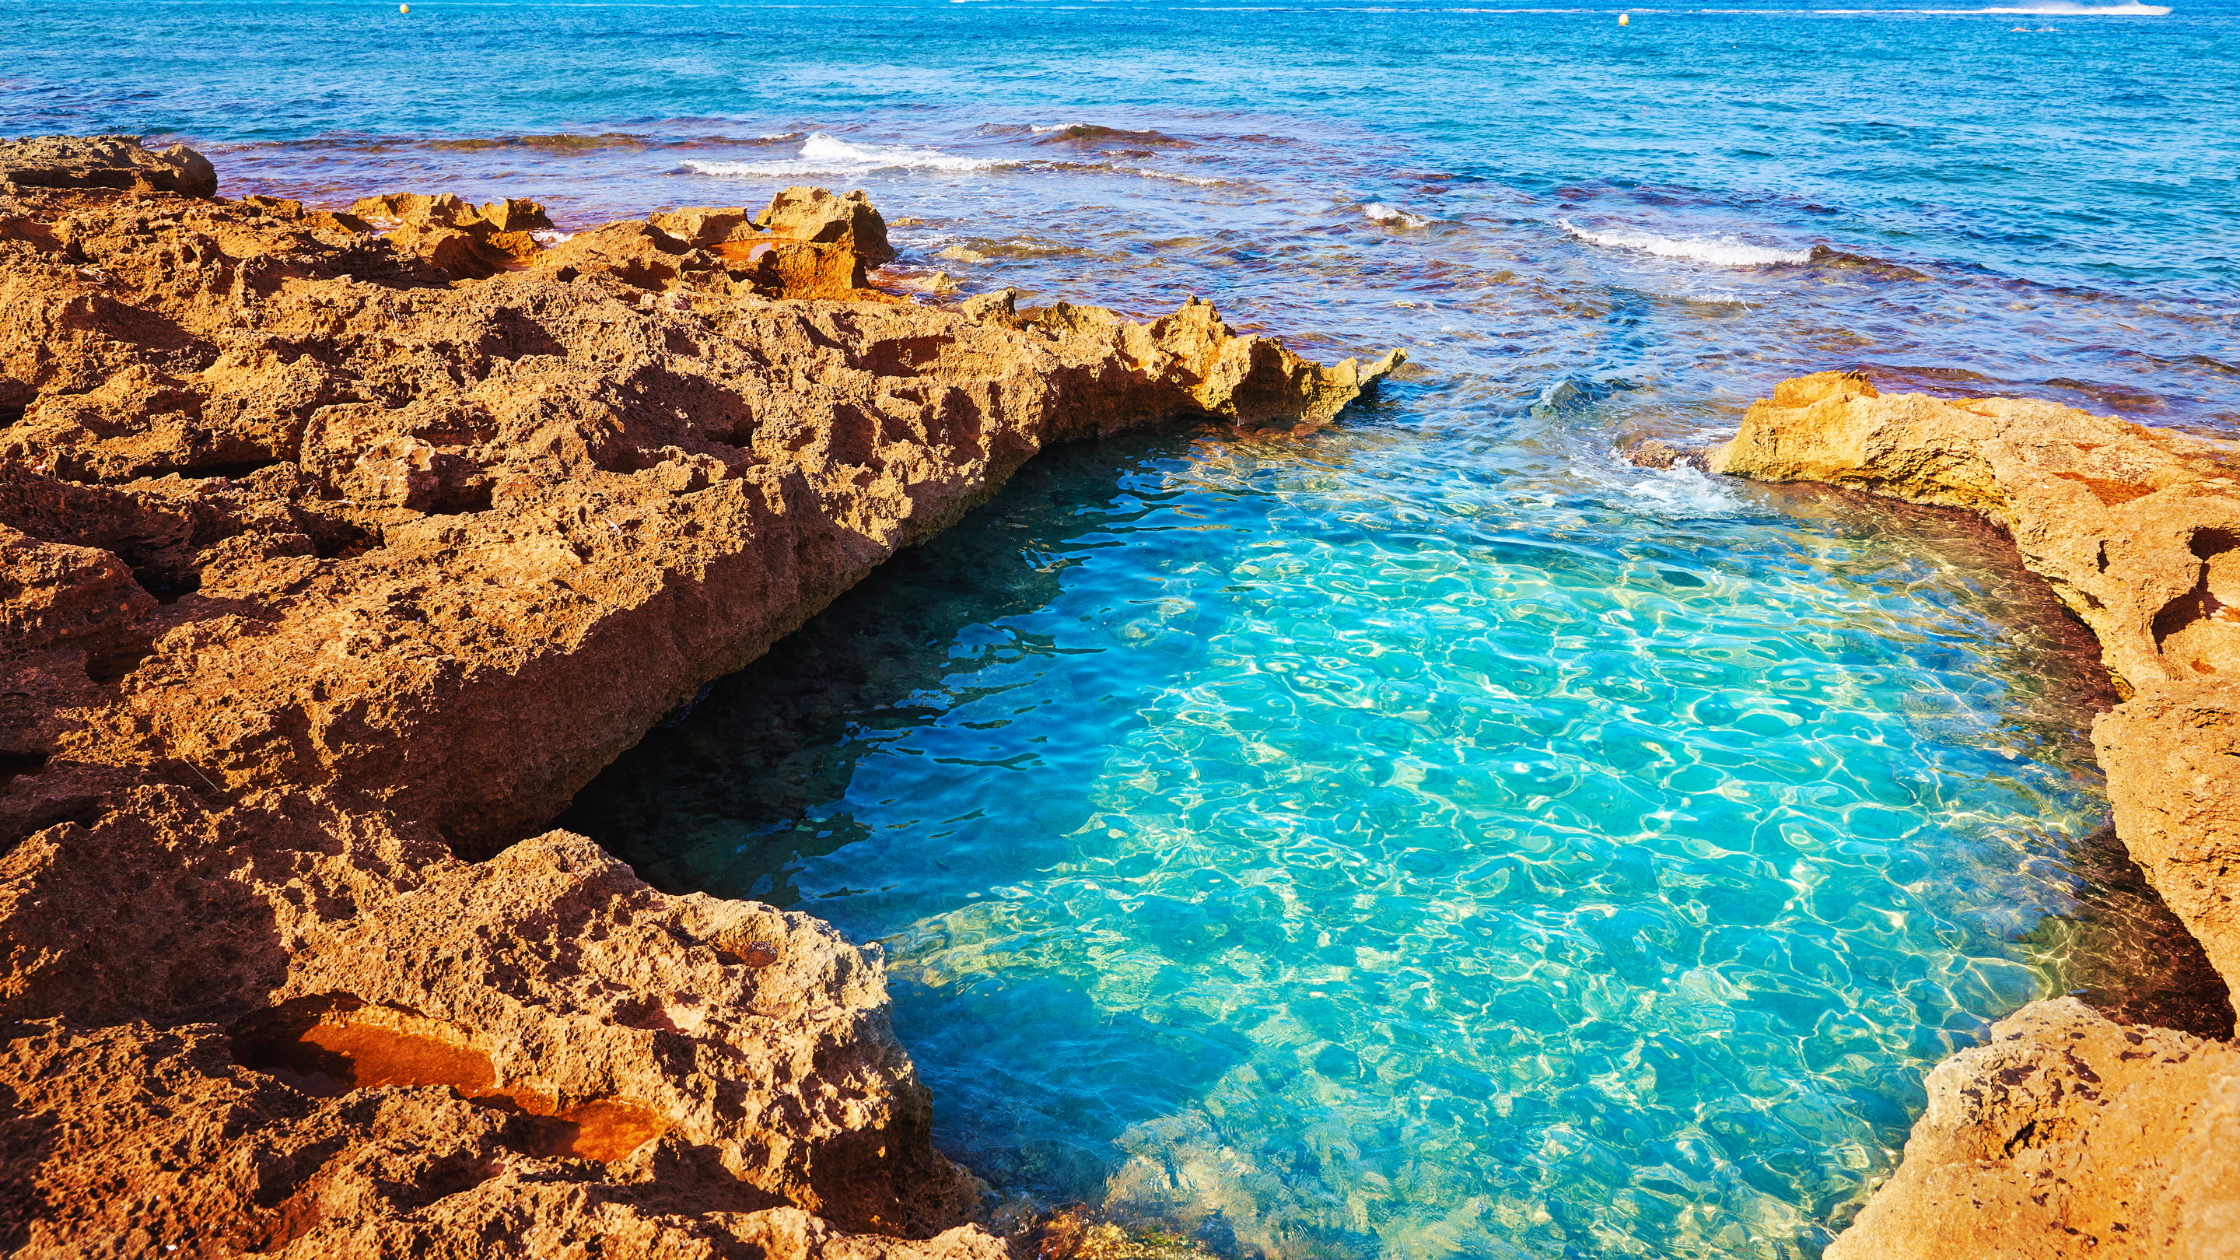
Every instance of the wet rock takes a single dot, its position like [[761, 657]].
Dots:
[[105, 162], [332, 572], [1655, 453]]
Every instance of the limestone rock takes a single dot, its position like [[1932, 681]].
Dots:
[[468, 242], [815, 214], [2137, 531], [2067, 1135], [105, 162], [706, 227], [2094, 1139], [331, 571], [138, 1141]]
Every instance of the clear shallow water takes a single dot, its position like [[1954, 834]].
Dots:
[[1436, 838], [1314, 846]]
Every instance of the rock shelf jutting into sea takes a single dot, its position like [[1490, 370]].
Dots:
[[577, 685]]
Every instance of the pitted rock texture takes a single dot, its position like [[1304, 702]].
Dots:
[[105, 162], [454, 544], [2067, 1135], [2138, 532], [331, 565], [813, 214], [132, 1140]]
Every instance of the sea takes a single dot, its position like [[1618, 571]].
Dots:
[[1435, 836]]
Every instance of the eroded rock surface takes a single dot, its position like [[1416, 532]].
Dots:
[[2138, 532], [331, 564], [2067, 1135], [105, 162]]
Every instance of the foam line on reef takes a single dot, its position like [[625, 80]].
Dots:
[[1718, 251], [1379, 212], [825, 154]]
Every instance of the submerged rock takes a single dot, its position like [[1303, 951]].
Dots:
[[2138, 532], [331, 572], [1656, 453]]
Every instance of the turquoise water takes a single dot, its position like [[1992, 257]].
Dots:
[[1319, 849], [1438, 837]]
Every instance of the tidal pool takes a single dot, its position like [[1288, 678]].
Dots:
[[1416, 841]]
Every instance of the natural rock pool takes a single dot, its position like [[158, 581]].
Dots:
[[1432, 838], [1412, 842]]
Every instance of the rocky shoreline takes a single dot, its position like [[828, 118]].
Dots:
[[337, 551], [2070, 1134]]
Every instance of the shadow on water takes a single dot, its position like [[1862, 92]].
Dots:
[[2125, 954], [2122, 951], [730, 801]]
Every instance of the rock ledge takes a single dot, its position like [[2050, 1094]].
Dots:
[[2070, 1135], [337, 551]]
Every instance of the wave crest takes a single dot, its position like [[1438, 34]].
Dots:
[[1719, 251], [823, 154], [1379, 212]]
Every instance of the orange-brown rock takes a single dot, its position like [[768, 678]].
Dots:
[[329, 576], [816, 215], [468, 242], [2067, 1135], [2138, 532], [105, 162]]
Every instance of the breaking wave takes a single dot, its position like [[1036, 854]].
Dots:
[[1379, 212], [823, 154], [1720, 251], [1682, 493]]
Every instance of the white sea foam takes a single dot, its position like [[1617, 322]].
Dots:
[[549, 237], [1379, 212], [1720, 251], [823, 154], [1040, 128], [2042, 8], [1683, 492], [1148, 173], [2069, 8]]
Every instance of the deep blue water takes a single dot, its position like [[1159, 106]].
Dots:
[[1436, 837]]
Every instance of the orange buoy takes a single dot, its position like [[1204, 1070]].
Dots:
[[1622, 18]]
